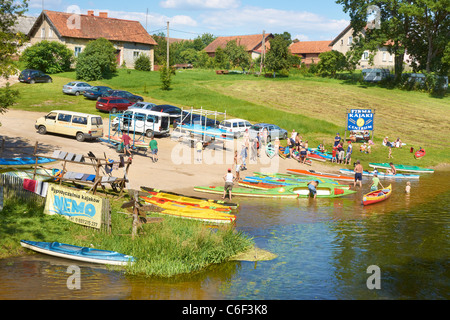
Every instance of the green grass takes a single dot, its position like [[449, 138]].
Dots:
[[173, 247]]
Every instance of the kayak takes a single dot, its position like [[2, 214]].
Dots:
[[400, 167], [84, 254], [188, 199], [286, 177], [265, 186], [377, 196], [419, 153], [184, 206], [270, 150], [382, 174], [325, 155], [200, 215], [313, 173], [288, 192], [316, 157], [25, 162]]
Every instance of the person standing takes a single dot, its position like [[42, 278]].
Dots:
[[375, 182], [154, 149], [358, 174], [337, 139], [229, 179], [199, 147], [244, 156], [126, 144], [348, 158]]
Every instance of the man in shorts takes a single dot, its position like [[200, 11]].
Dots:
[[312, 185], [358, 174], [229, 179], [154, 149], [126, 144]]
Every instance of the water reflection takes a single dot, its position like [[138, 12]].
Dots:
[[323, 249]]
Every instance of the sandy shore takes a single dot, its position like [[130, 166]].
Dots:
[[177, 169]]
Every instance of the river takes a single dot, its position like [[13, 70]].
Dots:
[[326, 249]]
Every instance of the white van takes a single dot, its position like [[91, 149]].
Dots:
[[236, 126], [143, 121], [83, 126]]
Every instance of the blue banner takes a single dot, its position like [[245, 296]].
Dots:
[[360, 120]]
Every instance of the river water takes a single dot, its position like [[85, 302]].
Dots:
[[326, 249]]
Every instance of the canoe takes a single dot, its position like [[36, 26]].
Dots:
[[312, 173], [419, 154], [188, 199], [183, 206], [84, 254], [288, 192], [383, 174], [24, 162], [400, 167], [377, 196]]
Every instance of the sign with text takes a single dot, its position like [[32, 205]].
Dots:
[[360, 120], [77, 206]]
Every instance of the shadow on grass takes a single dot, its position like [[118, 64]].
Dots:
[[20, 147]]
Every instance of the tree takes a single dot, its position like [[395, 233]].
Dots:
[[143, 63], [97, 61], [331, 62], [237, 55], [10, 41], [48, 56], [221, 59], [165, 75], [279, 56]]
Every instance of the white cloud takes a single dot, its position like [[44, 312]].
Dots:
[[48, 4], [301, 37], [200, 4]]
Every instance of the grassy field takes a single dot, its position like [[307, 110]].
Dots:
[[314, 106]]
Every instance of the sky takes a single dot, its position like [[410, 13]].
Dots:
[[305, 20]]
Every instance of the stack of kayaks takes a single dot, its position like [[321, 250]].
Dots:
[[377, 196], [84, 254], [400, 167], [195, 208], [382, 174], [288, 192], [316, 174], [287, 180]]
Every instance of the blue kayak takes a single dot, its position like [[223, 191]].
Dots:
[[24, 161], [79, 253]]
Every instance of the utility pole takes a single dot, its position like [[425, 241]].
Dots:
[[167, 45], [146, 18], [263, 52]]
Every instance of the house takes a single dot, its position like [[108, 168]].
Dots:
[[382, 58], [253, 44], [128, 37], [309, 50]]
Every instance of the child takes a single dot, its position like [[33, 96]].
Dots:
[[333, 159], [408, 187], [390, 153], [375, 182]]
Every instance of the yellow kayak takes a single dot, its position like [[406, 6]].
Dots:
[[202, 215], [175, 205]]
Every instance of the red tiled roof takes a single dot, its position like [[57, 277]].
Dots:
[[303, 47], [250, 42], [94, 27]]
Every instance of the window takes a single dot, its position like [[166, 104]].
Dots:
[[43, 33], [365, 55], [64, 117], [391, 56], [96, 121], [50, 33], [79, 119], [77, 51], [384, 55], [342, 42], [136, 54], [51, 116], [350, 40]]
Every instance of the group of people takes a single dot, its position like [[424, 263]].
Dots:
[[338, 154], [125, 144], [296, 148]]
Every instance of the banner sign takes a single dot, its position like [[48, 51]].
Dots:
[[77, 206], [360, 120]]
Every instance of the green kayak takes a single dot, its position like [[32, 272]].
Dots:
[[400, 167], [290, 192]]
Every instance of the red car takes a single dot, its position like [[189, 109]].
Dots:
[[112, 104]]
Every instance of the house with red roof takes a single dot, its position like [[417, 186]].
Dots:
[[129, 37], [309, 50], [253, 44]]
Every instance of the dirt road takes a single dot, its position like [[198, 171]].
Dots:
[[177, 169]]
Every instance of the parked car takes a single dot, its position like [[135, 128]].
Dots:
[[32, 76], [173, 111], [76, 87], [273, 131], [95, 92], [112, 104], [236, 126], [192, 118], [123, 94]]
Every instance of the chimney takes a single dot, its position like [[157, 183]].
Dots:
[[91, 13], [103, 14]]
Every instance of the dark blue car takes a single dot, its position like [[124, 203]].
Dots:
[[96, 92]]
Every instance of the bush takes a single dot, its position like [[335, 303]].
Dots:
[[143, 63], [48, 56], [97, 61]]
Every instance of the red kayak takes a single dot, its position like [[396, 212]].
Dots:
[[316, 157], [419, 154]]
